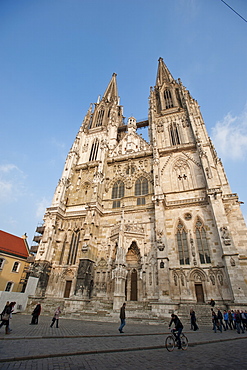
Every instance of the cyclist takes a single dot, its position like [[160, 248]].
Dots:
[[178, 328]]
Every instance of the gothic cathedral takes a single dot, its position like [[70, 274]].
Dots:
[[151, 222]]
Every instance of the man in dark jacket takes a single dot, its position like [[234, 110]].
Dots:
[[122, 317], [178, 328], [35, 314]]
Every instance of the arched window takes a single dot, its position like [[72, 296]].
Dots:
[[117, 192], [73, 247], [15, 267], [90, 122], [174, 134], [100, 118], [182, 242], [141, 188], [202, 243], [158, 102], [168, 99], [94, 150]]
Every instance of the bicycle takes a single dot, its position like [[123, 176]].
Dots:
[[172, 342]]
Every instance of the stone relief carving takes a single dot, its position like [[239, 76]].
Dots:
[[160, 127], [225, 235], [220, 278]]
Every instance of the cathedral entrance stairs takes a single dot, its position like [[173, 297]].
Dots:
[[202, 311]]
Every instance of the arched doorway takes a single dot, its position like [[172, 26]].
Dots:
[[133, 260], [133, 286]]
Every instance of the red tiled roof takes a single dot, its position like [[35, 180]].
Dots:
[[12, 244]]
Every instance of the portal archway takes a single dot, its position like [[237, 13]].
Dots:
[[133, 263]]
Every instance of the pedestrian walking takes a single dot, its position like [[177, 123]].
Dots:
[[193, 323], [234, 319], [35, 315], [239, 322], [122, 318], [225, 315], [230, 319], [5, 316], [56, 317], [244, 319], [220, 319], [215, 322]]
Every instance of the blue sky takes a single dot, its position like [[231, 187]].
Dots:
[[57, 56]]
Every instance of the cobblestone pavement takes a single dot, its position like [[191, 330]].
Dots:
[[80, 344]]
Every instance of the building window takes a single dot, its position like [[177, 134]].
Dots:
[[182, 242], [1, 263], [202, 243], [90, 122], [174, 134], [158, 102], [15, 267], [116, 204], [118, 190], [73, 247], [94, 150], [141, 201], [9, 286], [100, 118], [168, 99], [141, 186]]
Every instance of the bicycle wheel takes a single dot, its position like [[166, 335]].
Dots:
[[170, 343], [184, 342]]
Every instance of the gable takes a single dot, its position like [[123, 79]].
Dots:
[[130, 143], [13, 245]]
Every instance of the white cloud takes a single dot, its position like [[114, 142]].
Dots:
[[5, 189], [8, 167], [11, 182], [230, 136], [41, 207]]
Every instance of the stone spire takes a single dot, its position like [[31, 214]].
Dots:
[[111, 93], [163, 74]]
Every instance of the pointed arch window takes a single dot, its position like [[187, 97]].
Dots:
[[94, 150], [182, 242], [202, 243], [100, 117], [158, 102], [117, 192], [174, 134], [141, 188], [73, 247], [90, 122], [168, 99]]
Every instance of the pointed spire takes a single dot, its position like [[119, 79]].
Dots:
[[111, 93], [163, 74]]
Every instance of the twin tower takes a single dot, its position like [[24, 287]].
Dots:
[[151, 222]]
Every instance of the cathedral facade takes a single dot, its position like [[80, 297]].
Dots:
[[143, 221]]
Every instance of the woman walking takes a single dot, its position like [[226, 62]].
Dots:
[[8, 309], [55, 317]]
